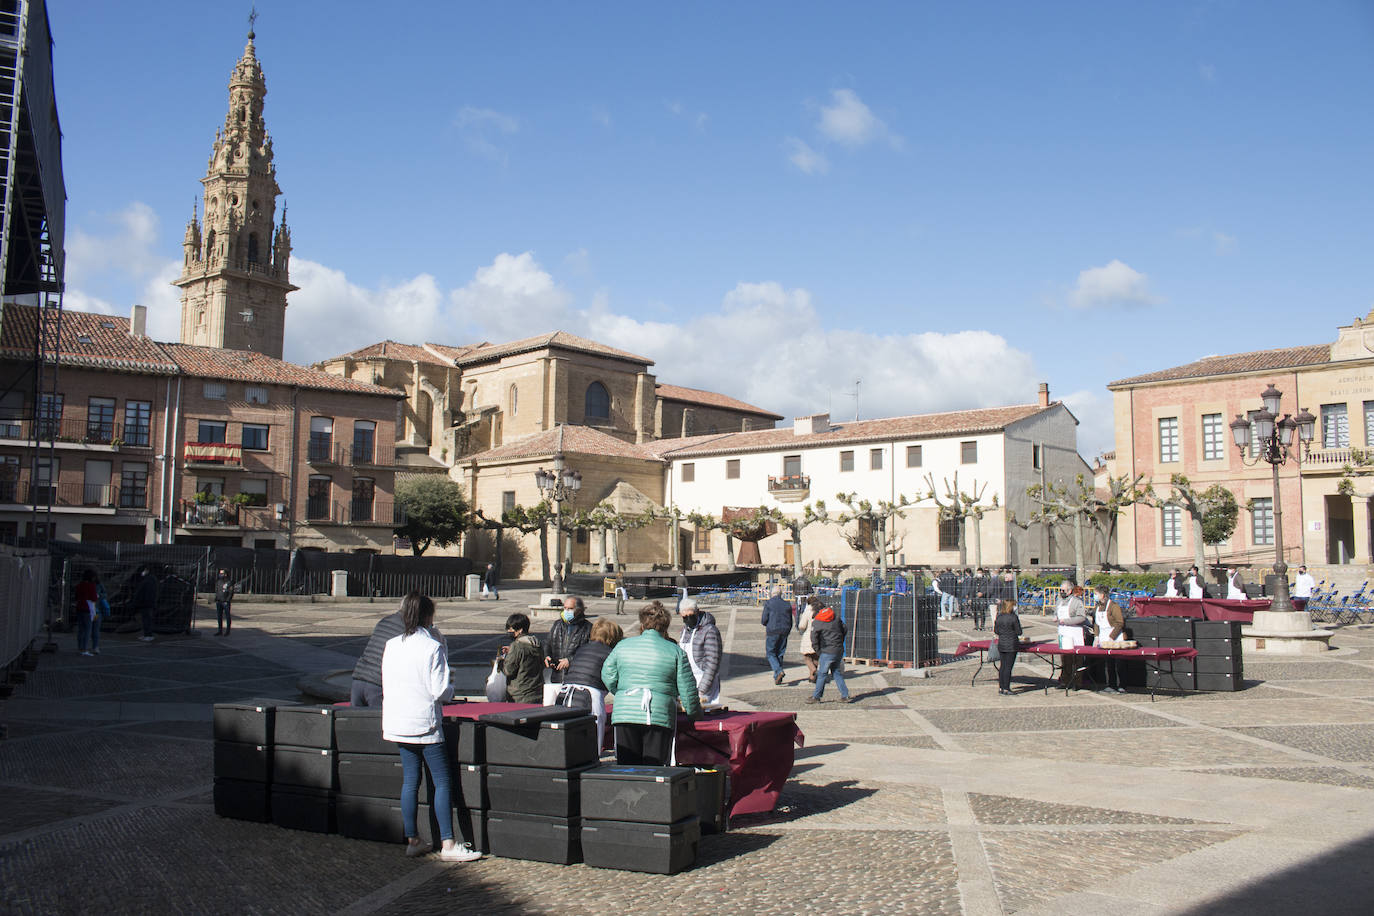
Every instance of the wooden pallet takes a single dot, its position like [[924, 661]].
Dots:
[[876, 662]]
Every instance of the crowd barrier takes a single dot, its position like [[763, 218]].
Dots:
[[23, 601]]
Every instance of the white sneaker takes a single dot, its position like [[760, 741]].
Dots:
[[84, 652], [145, 639], [459, 852]]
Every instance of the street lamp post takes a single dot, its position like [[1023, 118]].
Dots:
[[1275, 446], [558, 486]]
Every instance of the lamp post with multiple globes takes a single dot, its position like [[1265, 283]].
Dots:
[[558, 486]]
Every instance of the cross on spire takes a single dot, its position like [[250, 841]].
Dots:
[[252, 21]]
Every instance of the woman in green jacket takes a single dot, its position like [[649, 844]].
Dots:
[[649, 674]]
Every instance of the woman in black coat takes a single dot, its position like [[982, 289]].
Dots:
[[1007, 631]]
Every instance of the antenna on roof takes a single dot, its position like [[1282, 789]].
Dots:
[[855, 396]]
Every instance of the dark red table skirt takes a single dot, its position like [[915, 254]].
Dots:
[[1203, 608], [758, 746]]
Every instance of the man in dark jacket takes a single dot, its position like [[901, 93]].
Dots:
[[700, 639], [569, 632], [491, 580], [827, 635], [224, 597], [366, 689], [777, 623], [145, 600], [522, 662]]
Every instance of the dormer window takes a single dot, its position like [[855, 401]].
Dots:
[[83, 339]]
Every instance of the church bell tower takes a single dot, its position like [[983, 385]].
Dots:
[[234, 277]]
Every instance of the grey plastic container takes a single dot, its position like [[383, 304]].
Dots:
[[379, 819], [305, 726], [297, 808], [245, 722], [552, 744], [376, 776], [249, 762], [309, 767], [534, 790], [472, 786], [648, 795], [359, 731], [534, 837], [661, 849]]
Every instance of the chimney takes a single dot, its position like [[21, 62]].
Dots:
[[816, 423], [1044, 393], [138, 321]]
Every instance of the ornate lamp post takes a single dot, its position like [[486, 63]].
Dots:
[[1275, 446], [558, 486]]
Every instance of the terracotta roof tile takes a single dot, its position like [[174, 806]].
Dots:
[[921, 426], [1254, 361], [87, 339], [558, 339], [710, 399], [390, 349], [247, 366], [580, 440], [450, 353]]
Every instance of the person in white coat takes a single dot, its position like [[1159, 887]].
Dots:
[[415, 684], [808, 608]]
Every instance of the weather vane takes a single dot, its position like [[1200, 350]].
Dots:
[[252, 20]]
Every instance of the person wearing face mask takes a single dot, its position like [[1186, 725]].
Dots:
[[569, 632], [700, 639], [1071, 616]]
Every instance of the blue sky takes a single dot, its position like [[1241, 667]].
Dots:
[[949, 201]]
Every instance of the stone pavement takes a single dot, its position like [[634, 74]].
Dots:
[[923, 796]]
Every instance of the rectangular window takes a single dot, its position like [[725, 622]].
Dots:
[[507, 501], [1168, 439], [863, 534], [255, 490], [96, 489], [210, 487], [1037, 457], [913, 456], [255, 394], [49, 415], [215, 391], [138, 417], [875, 459], [133, 485], [1335, 426], [968, 452], [701, 543], [100, 415], [1262, 520], [255, 437], [364, 438], [732, 469], [317, 497], [1251, 415], [321, 446], [1368, 424], [1213, 437], [11, 412], [1171, 526], [9, 478], [364, 492], [46, 472], [846, 461], [689, 471], [210, 431], [949, 534], [791, 465]]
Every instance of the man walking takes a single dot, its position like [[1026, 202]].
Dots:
[[491, 581], [777, 623], [145, 600]]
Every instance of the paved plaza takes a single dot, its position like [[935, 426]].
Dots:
[[926, 795]]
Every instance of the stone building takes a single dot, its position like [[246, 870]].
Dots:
[[1176, 421]]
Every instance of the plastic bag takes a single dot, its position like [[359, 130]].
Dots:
[[496, 683], [994, 653]]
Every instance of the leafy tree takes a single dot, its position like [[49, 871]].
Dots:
[[1197, 503], [960, 505], [436, 511], [1219, 518]]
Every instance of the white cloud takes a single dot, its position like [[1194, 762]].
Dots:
[[513, 297], [849, 122], [806, 159], [1096, 426], [328, 315], [1113, 284], [481, 127], [128, 248]]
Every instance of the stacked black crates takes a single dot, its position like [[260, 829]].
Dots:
[[304, 768], [243, 759], [369, 799], [1217, 666], [535, 759], [639, 818]]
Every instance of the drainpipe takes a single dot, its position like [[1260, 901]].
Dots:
[[291, 471], [173, 483]]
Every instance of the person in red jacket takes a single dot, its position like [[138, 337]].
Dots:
[[87, 615]]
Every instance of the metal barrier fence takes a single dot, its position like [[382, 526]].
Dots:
[[890, 628], [23, 600]]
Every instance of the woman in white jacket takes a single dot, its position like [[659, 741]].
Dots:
[[415, 683]]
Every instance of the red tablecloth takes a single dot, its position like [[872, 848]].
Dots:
[[1050, 648], [757, 745], [1204, 608], [474, 710]]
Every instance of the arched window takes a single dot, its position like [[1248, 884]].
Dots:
[[514, 400], [598, 402]]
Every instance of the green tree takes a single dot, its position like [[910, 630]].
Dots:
[[1220, 514], [436, 511], [1197, 503]]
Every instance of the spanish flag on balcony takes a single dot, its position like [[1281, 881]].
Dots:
[[219, 452]]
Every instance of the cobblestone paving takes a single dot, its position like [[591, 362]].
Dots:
[[1036, 866], [736, 873], [1348, 743], [1077, 716], [1331, 776], [849, 804], [892, 740], [1005, 809], [31, 807], [1301, 671], [108, 762], [816, 723], [1163, 747], [793, 699], [1290, 711]]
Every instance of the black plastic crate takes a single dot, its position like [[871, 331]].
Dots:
[[1218, 647], [713, 792], [297, 808], [243, 800], [379, 819], [1217, 664], [534, 837], [250, 762], [376, 776], [552, 743], [1175, 642], [246, 722], [309, 767], [662, 849], [535, 790], [305, 726], [1220, 681], [1136, 627], [359, 731], [466, 740], [1178, 679], [643, 794], [1174, 627], [1217, 629], [471, 779]]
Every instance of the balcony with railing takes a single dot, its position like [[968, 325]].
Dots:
[[72, 495], [374, 455], [192, 513], [789, 487], [321, 450], [214, 454], [378, 512], [77, 432]]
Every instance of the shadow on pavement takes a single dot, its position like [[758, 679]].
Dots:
[[1339, 881]]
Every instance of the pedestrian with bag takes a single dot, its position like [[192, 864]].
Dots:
[[87, 600], [415, 684], [522, 662], [145, 600], [1006, 629], [491, 582]]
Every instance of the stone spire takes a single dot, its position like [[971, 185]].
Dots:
[[234, 282]]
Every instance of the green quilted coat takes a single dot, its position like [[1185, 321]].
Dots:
[[648, 675]]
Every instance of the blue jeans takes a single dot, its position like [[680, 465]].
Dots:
[[946, 605], [775, 647], [87, 628], [830, 666], [436, 758]]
